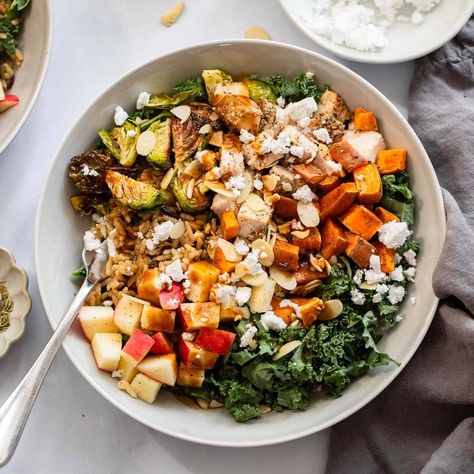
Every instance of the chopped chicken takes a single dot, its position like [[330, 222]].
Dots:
[[252, 221], [274, 118], [222, 204], [367, 144], [332, 105], [334, 127], [232, 159]]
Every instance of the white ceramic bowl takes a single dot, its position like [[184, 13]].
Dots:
[[58, 240], [16, 281], [35, 44], [406, 41]]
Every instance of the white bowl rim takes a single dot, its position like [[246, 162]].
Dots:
[[438, 204], [361, 56], [39, 84]]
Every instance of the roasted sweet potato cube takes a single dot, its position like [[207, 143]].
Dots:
[[359, 250], [283, 313], [345, 154], [307, 273], [363, 120], [286, 255], [338, 200], [385, 216], [369, 184], [387, 257], [391, 161], [310, 173], [309, 309], [222, 263], [229, 225], [333, 239], [329, 183], [359, 220], [286, 208], [312, 242]]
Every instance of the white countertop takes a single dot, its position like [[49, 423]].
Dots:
[[72, 428]]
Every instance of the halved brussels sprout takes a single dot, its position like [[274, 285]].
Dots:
[[185, 91], [179, 187], [259, 90], [87, 205], [136, 194], [160, 155], [239, 112], [87, 171], [212, 77], [122, 142]]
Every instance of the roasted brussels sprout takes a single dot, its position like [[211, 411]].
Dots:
[[259, 90], [136, 194], [87, 171], [190, 89], [85, 205], [239, 112], [196, 203], [160, 155], [122, 142], [212, 77]]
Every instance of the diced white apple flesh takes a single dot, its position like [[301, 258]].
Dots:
[[128, 370], [128, 313], [146, 388], [95, 319], [162, 368], [106, 348]]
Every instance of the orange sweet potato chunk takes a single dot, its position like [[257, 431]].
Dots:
[[391, 161], [369, 183], [310, 173], [364, 121], [359, 220], [359, 250], [221, 262], [229, 225], [329, 183], [307, 273], [345, 154], [333, 239], [312, 242], [338, 200], [387, 257], [385, 216], [283, 313], [286, 255], [286, 208]]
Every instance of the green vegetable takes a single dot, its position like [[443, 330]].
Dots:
[[186, 91], [397, 196], [193, 86], [197, 203], [86, 205], [340, 283], [259, 90], [160, 156], [9, 29], [79, 272], [121, 144], [212, 77]]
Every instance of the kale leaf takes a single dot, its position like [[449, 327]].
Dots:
[[398, 197], [79, 272]]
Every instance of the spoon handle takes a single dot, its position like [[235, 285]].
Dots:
[[16, 408]]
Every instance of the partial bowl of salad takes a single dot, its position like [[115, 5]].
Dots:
[[25, 38], [271, 235]]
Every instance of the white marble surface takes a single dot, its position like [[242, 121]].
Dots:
[[72, 428]]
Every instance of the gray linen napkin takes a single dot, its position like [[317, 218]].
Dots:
[[424, 421]]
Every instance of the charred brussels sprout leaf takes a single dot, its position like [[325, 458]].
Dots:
[[160, 155], [179, 187], [258, 90], [134, 194], [85, 205], [122, 142], [87, 171], [186, 91], [212, 77], [193, 86]]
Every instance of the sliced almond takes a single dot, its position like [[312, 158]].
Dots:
[[183, 112], [255, 280], [145, 143], [229, 250], [367, 286], [190, 188], [171, 15], [255, 202], [240, 270], [188, 401], [332, 309], [285, 349], [244, 193], [217, 139], [167, 178], [178, 230], [264, 409], [193, 169], [204, 404], [219, 188], [205, 129], [211, 248], [244, 312], [257, 32], [308, 214], [286, 280], [265, 256], [270, 182], [201, 185], [215, 404], [300, 234]]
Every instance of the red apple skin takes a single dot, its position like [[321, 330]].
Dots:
[[195, 316], [215, 340], [162, 344], [194, 357], [172, 299], [138, 346], [9, 101]]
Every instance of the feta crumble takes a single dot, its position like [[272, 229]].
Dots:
[[357, 297], [394, 234], [258, 184], [410, 257], [246, 137], [120, 116], [161, 232], [131, 133], [396, 294], [304, 194], [86, 171], [410, 273], [292, 305], [164, 282], [225, 294], [247, 337], [322, 135], [271, 321], [242, 248], [111, 249], [143, 100], [397, 274], [297, 150], [242, 295], [235, 184], [91, 242], [302, 109], [304, 122], [281, 102], [252, 264], [175, 271], [358, 276]]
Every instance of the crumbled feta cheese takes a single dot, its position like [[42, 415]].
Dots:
[[371, 276], [301, 109], [252, 263], [91, 242], [98, 219], [397, 274], [410, 273], [357, 297], [86, 171], [322, 135], [309, 74], [382, 289], [225, 294], [186, 284], [332, 166], [271, 321], [175, 271], [304, 122], [304, 194], [117, 374], [281, 102], [242, 248], [246, 137], [258, 184], [217, 171], [297, 150], [131, 133], [164, 282], [358, 276], [247, 337], [410, 257], [111, 249], [398, 258], [107, 303], [290, 304], [396, 294], [120, 116], [235, 184], [242, 295], [398, 318], [161, 232], [413, 300], [139, 121], [417, 17], [287, 187], [143, 100], [377, 298], [394, 234], [140, 235], [187, 336]]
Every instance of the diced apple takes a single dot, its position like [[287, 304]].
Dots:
[[188, 377], [137, 347], [215, 340], [97, 319], [202, 275], [146, 388], [162, 344], [157, 319], [195, 357], [8, 102], [128, 313], [171, 299], [195, 316], [106, 348], [128, 369], [162, 368], [148, 287]]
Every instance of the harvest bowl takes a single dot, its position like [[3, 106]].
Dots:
[[58, 240]]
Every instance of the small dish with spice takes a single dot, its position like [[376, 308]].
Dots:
[[15, 302]]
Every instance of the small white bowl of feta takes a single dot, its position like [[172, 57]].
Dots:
[[379, 31]]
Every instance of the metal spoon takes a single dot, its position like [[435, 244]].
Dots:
[[16, 408]]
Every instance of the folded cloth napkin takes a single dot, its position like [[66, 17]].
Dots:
[[424, 422]]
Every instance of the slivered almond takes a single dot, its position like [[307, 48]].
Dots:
[[367, 286], [255, 202], [211, 248], [300, 234], [205, 129], [240, 270], [145, 143], [167, 178], [178, 230], [255, 280], [285, 349], [202, 403], [265, 255], [286, 280], [244, 193], [263, 409], [183, 112], [308, 214], [215, 404], [332, 309], [217, 139], [194, 169], [190, 188], [229, 250], [218, 188]]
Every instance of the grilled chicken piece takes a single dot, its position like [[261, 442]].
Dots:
[[232, 159], [222, 204], [332, 105]]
